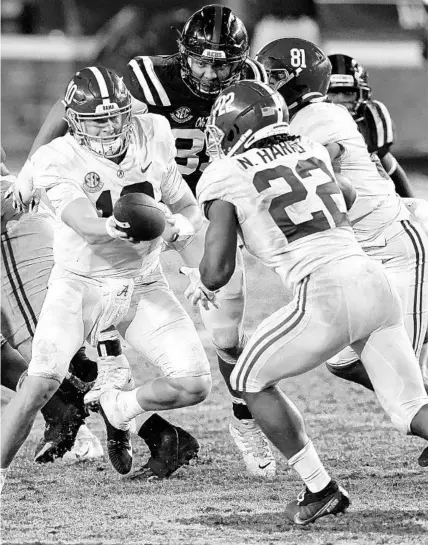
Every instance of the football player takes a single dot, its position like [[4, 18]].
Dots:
[[300, 71], [101, 278], [349, 86], [27, 259], [213, 53], [278, 193]]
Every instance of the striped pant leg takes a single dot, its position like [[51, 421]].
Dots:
[[290, 342], [405, 258], [22, 295], [416, 321]]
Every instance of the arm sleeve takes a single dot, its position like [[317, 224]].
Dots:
[[381, 126]]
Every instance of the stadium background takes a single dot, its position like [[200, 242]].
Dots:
[[45, 41]]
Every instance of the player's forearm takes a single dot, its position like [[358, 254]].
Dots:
[[53, 127], [192, 252], [82, 218], [93, 230], [398, 176], [192, 213]]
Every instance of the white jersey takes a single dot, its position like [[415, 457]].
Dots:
[[291, 212], [67, 171], [377, 205]]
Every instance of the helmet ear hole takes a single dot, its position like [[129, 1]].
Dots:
[[232, 133]]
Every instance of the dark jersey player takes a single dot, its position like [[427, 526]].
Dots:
[[349, 86], [213, 53]]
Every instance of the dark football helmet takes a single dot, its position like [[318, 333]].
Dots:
[[298, 69], [213, 35], [348, 75], [97, 94], [243, 114]]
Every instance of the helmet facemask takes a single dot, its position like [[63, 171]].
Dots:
[[338, 85], [203, 87], [349, 76], [242, 115], [109, 146], [213, 139]]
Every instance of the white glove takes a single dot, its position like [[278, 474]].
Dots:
[[178, 227], [196, 292], [23, 199]]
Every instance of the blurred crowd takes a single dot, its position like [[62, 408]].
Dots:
[[128, 27]]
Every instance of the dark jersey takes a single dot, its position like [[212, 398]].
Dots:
[[375, 124], [157, 82]]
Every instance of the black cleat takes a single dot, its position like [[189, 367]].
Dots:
[[423, 458], [119, 446], [311, 506], [170, 446], [63, 419], [58, 438]]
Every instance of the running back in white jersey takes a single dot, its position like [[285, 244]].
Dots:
[[377, 205], [290, 209], [67, 171]]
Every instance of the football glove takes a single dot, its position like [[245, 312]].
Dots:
[[196, 292]]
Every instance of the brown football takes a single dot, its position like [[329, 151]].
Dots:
[[145, 219]]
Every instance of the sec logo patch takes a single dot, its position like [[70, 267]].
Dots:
[[92, 182], [182, 115]]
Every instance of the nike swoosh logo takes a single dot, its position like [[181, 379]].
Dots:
[[143, 170], [265, 466]]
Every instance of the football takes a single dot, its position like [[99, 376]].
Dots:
[[140, 216]]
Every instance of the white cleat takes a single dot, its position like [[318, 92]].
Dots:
[[114, 372], [113, 409], [254, 447], [86, 447]]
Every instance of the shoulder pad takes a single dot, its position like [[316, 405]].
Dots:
[[379, 123], [255, 70], [144, 82]]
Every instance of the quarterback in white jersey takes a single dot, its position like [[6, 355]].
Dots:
[[100, 278], [300, 71], [279, 194]]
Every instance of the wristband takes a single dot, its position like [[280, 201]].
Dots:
[[109, 226]]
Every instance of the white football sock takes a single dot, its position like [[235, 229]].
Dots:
[[309, 467], [129, 404]]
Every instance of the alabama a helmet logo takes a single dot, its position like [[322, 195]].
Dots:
[[92, 183], [182, 114]]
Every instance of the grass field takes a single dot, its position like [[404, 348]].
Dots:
[[213, 502]]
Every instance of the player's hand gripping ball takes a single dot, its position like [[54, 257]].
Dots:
[[139, 216]]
